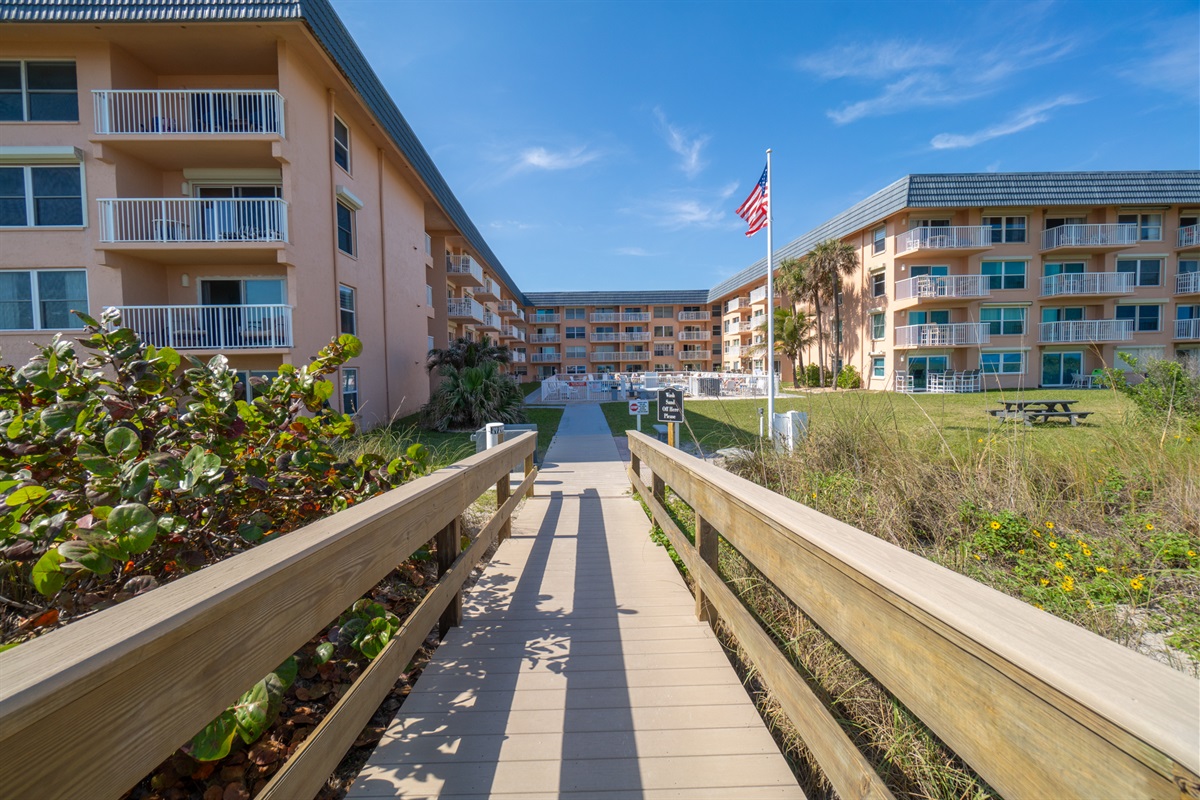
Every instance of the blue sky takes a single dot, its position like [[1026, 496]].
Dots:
[[606, 145]]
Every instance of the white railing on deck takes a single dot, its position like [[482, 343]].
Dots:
[[188, 111], [640, 336], [1086, 330], [490, 320], [758, 295], [695, 336], [1069, 283], [694, 316], [193, 219], [1189, 236], [628, 316], [932, 286], [545, 358], [547, 319], [544, 338], [1103, 235], [695, 355], [226, 327], [958, 334], [465, 307], [1187, 329], [953, 237], [464, 265], [1187, 283]]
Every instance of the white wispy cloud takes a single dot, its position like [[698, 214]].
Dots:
[[1173, 61], [1023, 119], [918, 75], [546, 159], [637, 252], [689, 149], [510, 225]]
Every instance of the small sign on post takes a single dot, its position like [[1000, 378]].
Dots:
[[639, 407], [670, 411]]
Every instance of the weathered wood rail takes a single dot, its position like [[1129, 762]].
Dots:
[[88, 710], [1036, 706]]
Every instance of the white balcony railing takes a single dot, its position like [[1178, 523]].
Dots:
[[490, 320], [1189, 236], [952, 286], [226, 327], [490, 290], [759, 295], [509, 309], [664, 352], [737, 304], [628, 316], [545, 358], [464, 308], [958, 334], [193, 219], [1187, 283], [1089, 330], [544, 338], [695, 336], [1087, 283], [517, 357], [1187, 329], [545, 319], [1105, 235], [953, 237], [695, 355], [733, 353], [613, 356], [465, 266], [188, 111], [694, 316], [641, 336]]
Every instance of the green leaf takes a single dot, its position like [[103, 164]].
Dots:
[[213, 743], [251, 533], [95, 461], [169, 356], [324, 653], [136, 478], [251, 712], [134, 526], [169, 523], [61, 416], [16, 426], [375, 637], [323, 390], [350, 344], [26, 494], [8, 646], [47, 575], [122, 443], [101, 544], [287, 671], [81, 551]]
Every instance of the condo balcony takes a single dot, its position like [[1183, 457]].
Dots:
[[1187, 329], [490, 321], [544, 338], [613, 356], [512, 333], [488, 290], [1088, 283], [465, 309], [1189, 237], [508, 308], [640, 336], [463, 270], [733, 353], [188, 230], [545, 358], [545, 319], [1081, 331], [958, 334], [1090, 238], [737, 305], [695, 355], [517, 357], [695, 336], [628, 316], [212, 327], [664, 352], [1187, 283], [694, 316], [947, 239], [933, 288]]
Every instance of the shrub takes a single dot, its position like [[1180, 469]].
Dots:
[[849, 378], [1167, 387], [812, 375], [473, 396]]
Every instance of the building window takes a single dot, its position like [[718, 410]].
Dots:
[[1009, 321], [1149, 225], [42, 299], [664, 331], [1066, 268], [38, 91], [1006, 229], [341, 144], [1011, 363], [576, 313], [1005, 274], [345, 229], [349, 390], [348, 322], [40, 196], [577, 369], [879, 240], [878, 367], [1146, 318], [878, 284], [1188, 266], [664, 312], [878, 326], [576, 352], [574, 332], [1146, 271]]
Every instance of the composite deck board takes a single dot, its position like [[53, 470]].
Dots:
[[580, 670]]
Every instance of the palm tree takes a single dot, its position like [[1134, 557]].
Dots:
[[793, 333], [826, 264], [798, 279], [464, 352]]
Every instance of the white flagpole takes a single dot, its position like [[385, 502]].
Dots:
[[770, 311]]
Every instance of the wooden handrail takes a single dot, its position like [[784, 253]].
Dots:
[[114, 694], [1038, 707]]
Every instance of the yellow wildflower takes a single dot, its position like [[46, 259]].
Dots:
[[1022, 552], [1053, 545], [1059, 565], [995, 525], [1037, 605], [1086, 550], [1091, 604], [1149, 527], [1101, 570], [981, 440], [1038, 535], [1045, 581], [977, 558], [1191, 553], [1068, 584], [1138, 582], [1049, 526]]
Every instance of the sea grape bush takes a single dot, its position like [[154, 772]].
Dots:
[[127, 464]]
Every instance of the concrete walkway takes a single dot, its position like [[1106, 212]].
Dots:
[[580, 670]]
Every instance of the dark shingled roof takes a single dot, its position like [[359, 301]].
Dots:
[[330, 33], [683, 297], [996, 189]]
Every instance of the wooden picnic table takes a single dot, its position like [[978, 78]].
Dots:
[[1031, 411], [1037, 405]]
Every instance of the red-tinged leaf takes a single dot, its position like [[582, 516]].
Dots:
[[46, 619]]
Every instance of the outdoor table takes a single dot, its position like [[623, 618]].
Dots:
[[1037, 405]]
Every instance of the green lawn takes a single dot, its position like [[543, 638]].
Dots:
[[960, 419], [529, 387]]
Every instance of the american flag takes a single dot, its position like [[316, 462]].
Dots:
[[754, 209]]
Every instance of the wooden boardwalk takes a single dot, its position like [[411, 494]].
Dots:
[[580, 669]]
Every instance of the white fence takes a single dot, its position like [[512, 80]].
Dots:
[[224, 327], [193, 219], [601, 386], [958, 334], [188, 111]]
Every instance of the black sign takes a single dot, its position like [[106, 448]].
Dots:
[[670, 405]]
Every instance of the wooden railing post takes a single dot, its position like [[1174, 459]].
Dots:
[[449, 544], [503, 492], [529, 469], [706, 546], [658, 488]]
